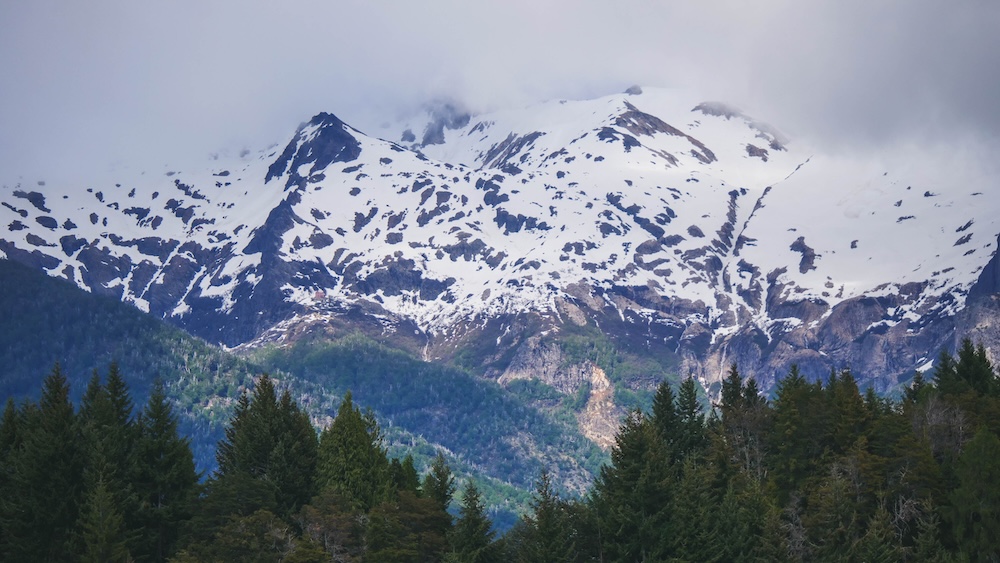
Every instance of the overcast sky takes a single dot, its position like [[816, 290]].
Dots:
[[87, 84]]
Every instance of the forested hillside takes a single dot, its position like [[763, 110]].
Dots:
[[823, 472], [45, 320], [485, 430]]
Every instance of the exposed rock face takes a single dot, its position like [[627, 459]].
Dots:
[[600, 419], [545, 362]]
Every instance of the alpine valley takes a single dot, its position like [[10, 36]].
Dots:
[[577, 251]]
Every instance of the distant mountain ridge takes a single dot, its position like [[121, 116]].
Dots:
[[681, 228]]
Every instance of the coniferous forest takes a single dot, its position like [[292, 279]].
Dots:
[[820, 472]]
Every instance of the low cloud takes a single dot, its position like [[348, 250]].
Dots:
[[85, 85]]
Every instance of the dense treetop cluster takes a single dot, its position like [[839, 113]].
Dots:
[[820, 472]]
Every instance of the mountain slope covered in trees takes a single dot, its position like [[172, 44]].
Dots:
[[823, 472], [487, 431]]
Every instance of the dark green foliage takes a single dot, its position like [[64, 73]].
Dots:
[[166, 477], [102, 528], [472, 537], [878, 544], [352, 458], [474, 418], [546, 535], [691, 437], [330, 522], [404, 475], [695, 513], [664, 415], [974, 513], [271, 440], [407, 529], [974, 368], [633, 496], [41, 502], [439, 484]]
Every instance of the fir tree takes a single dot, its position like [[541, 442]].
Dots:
[[404, 475], [879, 543], [46, 476], [975, 369], [110, 436], [273, 441], [439, 483], [946, 378], [547, 537], [691, 421], [166, 477], [352, 458], [102, 528], [732, 394], [632, 496], [974, 513], [471, 538], [664, 416]]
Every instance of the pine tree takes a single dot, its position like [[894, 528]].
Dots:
[[797, 436], [946, 378], [352, 458], [632, 496], [404, 475], [110, 437], [331, 521], [547, 537], [273, 441], [879, 543], [664, 416], [294, 456], [409, 528], [694, 515], [732, 394], [974, 513], [46, 478], [10, 439], [471, 538], [975, 369], [102, 528], [833, 521], [691, 421], [439, 483], [928, 548], [166, 477]]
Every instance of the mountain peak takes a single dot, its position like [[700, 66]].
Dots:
[[321, 141]]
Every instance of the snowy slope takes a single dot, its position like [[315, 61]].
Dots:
[[655, 206]]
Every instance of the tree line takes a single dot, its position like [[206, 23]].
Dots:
[[819, 472]]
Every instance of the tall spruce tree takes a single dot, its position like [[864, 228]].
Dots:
[[664, 416], [472, 537], [439, 483], [352, 458], [271, 441], [975, 369], [691, 421], [110, 436], [166, 480], [547, 537], [974, 511], [102, 528], [632, 497], [46, 477]]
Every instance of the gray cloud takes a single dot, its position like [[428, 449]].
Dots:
[[86, 84]]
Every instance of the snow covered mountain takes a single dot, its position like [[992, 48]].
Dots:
[[675, 225]]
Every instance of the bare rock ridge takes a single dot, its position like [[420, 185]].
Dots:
[[681, 230]]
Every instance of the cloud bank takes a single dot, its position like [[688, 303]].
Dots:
[[89, 84]]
